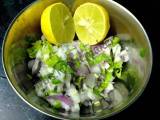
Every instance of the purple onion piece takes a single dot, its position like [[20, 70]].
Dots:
[[97, 49], [62, 98], [65, 99]]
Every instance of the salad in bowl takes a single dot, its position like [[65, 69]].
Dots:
[[77, 60]]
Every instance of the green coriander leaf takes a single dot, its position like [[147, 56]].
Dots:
[[57, 104], [115, 41], [106, 82], [63, 66], [34, 49], [52, 60]]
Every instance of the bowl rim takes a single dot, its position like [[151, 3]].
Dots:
[[139, 93]]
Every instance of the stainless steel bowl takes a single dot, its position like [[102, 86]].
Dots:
[[27, 23]]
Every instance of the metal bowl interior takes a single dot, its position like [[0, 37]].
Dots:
[[27, 23]]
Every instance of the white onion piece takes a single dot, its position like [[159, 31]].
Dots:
[[116, 52], [61, 53], [109, 88], [30, 64], [65, 106], [43, 37], [90, 94], [39, 87], [124, 56], [90, 80], [39, 54], [45, 85], [59, 75], [45, 70], [68, 80], [95, 69], [64, 99], [105, 65], [73, 93], [87, 94], [83, 96], [107, 51], [83, 70], [75, 108], [36, 66]]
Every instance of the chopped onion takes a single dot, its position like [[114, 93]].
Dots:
[[59, 75], [87, 94], [45, 70], [116, 52], [83, 70], [65, 106], [43, 37], [109, 88], [66, 102], [73, 93], [106, 65], [30, 64], [91, 80], [95, 69], [124, 56], [39, 88], [36, 66], [75, 108], [68, 80], [61, 53], [64, 99]]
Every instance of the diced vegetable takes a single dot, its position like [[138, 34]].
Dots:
[[33, 50], [115, 41], [73, 75], [57, 104], [105, 83], [64, 67], [98, 59], [52, 60]]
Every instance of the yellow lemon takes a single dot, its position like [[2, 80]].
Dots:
[[91, 23], [57, 24]]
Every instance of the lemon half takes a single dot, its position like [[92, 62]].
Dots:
[[57, 24], [91, 23]]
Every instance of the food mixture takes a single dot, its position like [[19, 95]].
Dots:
[[73, 73], [76, 73]]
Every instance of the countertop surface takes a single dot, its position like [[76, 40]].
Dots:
[[13, 108]]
